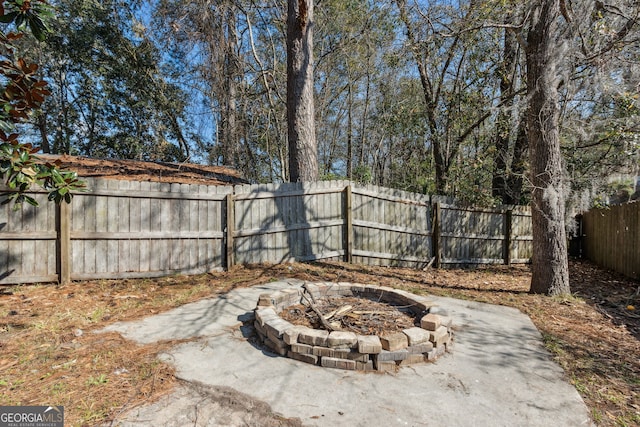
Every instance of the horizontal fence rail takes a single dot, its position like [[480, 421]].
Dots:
[[130, 229], [611, 238]]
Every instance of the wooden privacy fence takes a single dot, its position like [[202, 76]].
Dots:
[[611, 238], [130, 229]]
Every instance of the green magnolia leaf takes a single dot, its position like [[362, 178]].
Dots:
[[46, 11], [57, 178], [38, 28], [8, 18], [31, 201], [6, 126], [20, 22]]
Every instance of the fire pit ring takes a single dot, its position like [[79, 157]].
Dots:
[[348, 350]]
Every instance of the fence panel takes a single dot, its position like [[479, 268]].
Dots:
[[289, 221], [471, 235], [28, 242], [521, 249], [145, 229], [391, 227], [611, 238]]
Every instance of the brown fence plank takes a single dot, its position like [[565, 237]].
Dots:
[[64, 243], [611, 238]]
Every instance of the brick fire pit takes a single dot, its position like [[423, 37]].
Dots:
[[348, 350]]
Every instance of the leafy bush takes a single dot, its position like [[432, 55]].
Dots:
[[21, 95]]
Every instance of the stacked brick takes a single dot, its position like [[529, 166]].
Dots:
[[347, 350]]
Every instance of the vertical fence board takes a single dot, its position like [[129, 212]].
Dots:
[[257, 221], [611, 238], [15, 225], [145, 227], [46, 248], [78, 223], [123, 217], [268, 220], [348, 228], [280, 244], [89, 214], [101, 226], [320, 211]]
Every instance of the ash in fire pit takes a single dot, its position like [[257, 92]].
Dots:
[[359, 315], [352, 326]]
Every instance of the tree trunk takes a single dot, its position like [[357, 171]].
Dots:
[[229, 128], [42, 127], [515, 178], [303, 151], [363, 126], [504, 122], [550, 272], [350, 134]]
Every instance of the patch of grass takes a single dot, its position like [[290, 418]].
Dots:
[[99, 380], [596, 415], [91, 412], [567, 299], [96, 315], [16, 384], [58, 388], [577, 383], [148, 370], [553, 344], [624, 421]]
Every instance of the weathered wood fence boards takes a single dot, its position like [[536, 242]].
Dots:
[[28, 243], [390, 227], [481, 236], [471, 236], [291, 221], [130, 229], [611, 238], [121, 229], [521, 235]]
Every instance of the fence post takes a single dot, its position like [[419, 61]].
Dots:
[[348, 222], [508, 220], [436, 238], [63, 242], [229, 227]]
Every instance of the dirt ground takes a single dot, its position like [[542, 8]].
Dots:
[[50, 355]]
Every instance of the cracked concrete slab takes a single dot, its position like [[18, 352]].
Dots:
[[499, 373]]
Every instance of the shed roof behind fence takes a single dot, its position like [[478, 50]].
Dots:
[[183, 173]]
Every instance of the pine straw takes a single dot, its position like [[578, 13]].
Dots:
[[50, 355]]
